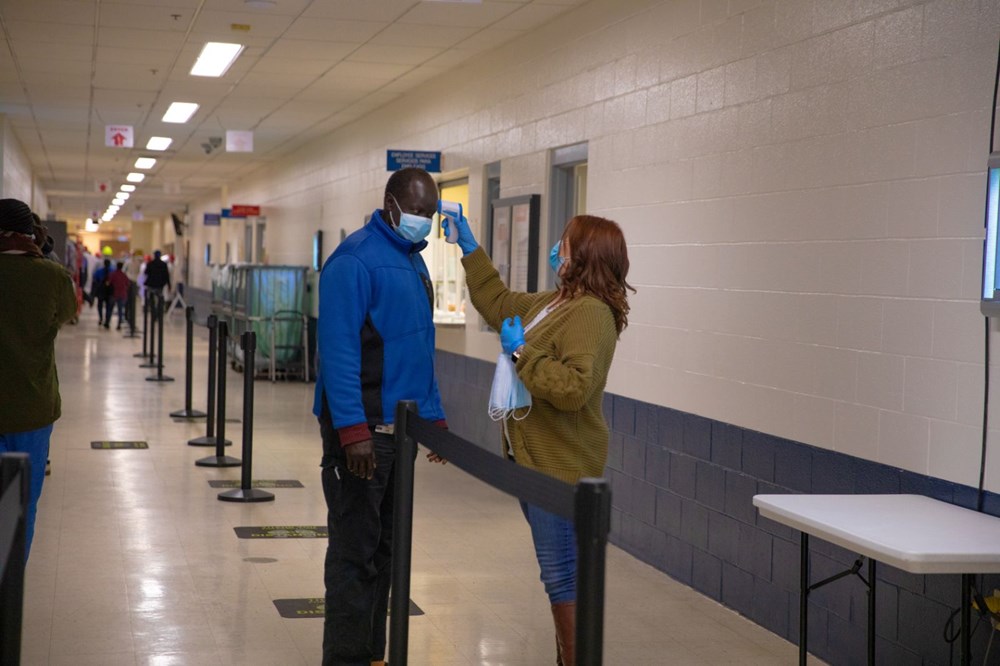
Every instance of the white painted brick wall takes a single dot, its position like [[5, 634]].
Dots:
[[800, 182]]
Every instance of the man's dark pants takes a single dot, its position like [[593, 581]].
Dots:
[[359, 551]]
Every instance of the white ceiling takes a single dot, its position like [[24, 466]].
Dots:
[[68, 68]]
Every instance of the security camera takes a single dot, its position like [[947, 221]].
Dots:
[[215, 141], [207, 147]]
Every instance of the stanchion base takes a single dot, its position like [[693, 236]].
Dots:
[[248, 495], [207, 441], [188, 414], [141, 355], [148, 365], [154, 378], [219, 461]]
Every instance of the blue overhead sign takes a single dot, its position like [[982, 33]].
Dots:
[[212, 219], [424, 159]]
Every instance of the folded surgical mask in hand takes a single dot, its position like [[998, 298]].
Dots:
[[508, 393]]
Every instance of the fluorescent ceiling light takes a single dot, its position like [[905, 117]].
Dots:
[[145, 162], [215, 58], [135, 177], [158, 143], [127, 188], [118, 202], [112, 209], [180, 112], [123, 196]]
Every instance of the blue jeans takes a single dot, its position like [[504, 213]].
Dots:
[[36, 444], [555, 548]]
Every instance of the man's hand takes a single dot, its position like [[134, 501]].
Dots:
[[435, 458], [361, 459]]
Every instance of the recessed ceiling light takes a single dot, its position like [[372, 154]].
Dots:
[[123, 196], [127, 188], [215, 58], [180, 112], [259, 4], [135, 177], [158, 143], [118, 202], [145, 162]]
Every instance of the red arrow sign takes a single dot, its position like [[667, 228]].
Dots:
[[118, 138]]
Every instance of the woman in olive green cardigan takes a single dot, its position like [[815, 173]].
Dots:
[[563, 361]]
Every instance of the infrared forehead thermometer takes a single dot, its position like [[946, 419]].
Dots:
[[453, 211]]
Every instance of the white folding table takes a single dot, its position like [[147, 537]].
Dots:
[[914, 533]]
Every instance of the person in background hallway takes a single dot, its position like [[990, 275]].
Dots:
[[376, 347], [119, 292], [36, 299], [102, 292], [563, 360], [157, 275]]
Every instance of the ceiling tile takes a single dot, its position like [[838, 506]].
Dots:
[[145, 17], [334, 30], [218, 24], [29, 54], [150, 57], [327, 52], [530, 17], [262, 80], [397, 55], [468, 15], [37, 32], [139, 39], [361, 10], [72, 12], [439, 36]]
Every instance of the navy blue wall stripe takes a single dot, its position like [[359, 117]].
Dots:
[[682, 488]]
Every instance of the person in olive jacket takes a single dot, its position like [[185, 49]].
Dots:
[[36, 298]]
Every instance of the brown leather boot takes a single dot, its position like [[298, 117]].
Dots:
[[564, 616]]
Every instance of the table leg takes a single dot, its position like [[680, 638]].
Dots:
[[871, 612], [803, 598], [966, 620]]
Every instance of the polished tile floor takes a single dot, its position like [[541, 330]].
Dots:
[[135, 560]]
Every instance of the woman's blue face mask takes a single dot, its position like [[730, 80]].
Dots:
[[555, 261]]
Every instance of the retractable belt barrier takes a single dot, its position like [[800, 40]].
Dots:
[[587, 504], [157, 332], [14, 489], [188, 412]]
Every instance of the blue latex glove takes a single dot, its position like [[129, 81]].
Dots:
[[511, 334], [466, 240]]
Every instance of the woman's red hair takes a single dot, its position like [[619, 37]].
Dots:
[[598, 264]]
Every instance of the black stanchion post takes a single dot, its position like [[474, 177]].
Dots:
[[12, 583], [151, 298], [245, 493], [158, 377], [209, 438], [402, 537], [592, 517], [188, 412], [145, 328], [220, 459]]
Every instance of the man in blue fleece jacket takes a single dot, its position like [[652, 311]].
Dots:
[[376, 347]]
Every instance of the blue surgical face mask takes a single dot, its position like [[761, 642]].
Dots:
[[413, 228], [555, 261]]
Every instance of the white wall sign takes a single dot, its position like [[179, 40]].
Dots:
[[118, 136]]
